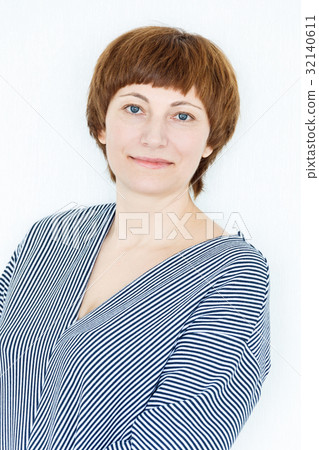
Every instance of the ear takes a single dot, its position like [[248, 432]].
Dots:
[[208, 151], [102, 136]]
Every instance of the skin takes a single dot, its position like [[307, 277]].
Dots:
[[141, 121]]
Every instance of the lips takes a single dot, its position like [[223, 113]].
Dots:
[[151, 163], [155, 160]]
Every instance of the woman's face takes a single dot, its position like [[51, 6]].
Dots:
[[155, 123]]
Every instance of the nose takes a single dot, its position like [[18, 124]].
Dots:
[[154, 133]]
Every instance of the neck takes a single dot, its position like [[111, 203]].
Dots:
[[155, 222]]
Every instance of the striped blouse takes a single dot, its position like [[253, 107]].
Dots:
[[174, 360]]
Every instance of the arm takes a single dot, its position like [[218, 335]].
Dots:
[[6, 276], [213, 378]]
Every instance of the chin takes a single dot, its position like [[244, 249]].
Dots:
[[147, 186]]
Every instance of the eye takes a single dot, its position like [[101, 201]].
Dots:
[[184, 117], [133, 109]]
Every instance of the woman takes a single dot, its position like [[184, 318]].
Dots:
[[138, 324]]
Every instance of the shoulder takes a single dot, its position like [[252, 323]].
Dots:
[[239, 281], [234, 259], [76, 213], [67, 223]]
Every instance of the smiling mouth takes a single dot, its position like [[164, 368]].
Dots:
[[151, 163]]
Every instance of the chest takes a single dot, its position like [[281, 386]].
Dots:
[[113, 270]]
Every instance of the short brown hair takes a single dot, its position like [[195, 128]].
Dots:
[[168, 57]]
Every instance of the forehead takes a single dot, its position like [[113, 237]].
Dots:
[[158, 93]]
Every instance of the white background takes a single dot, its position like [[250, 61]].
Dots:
[[49, 162]]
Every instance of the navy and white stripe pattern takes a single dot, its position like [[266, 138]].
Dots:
[[174, 360]]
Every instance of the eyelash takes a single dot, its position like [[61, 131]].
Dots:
[[187, 114]]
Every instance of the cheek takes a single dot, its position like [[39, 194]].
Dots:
[[120, 134], [190, 146]]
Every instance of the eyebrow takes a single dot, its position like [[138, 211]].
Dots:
[[142, 97]]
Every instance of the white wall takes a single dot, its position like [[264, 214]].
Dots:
[[49, 162]]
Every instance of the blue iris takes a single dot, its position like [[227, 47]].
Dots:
[[134, 109], [182, 116]]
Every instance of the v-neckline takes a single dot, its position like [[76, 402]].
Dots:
[[110, 214]]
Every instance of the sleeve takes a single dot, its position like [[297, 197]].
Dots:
[[6, 276], [213, 378]]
